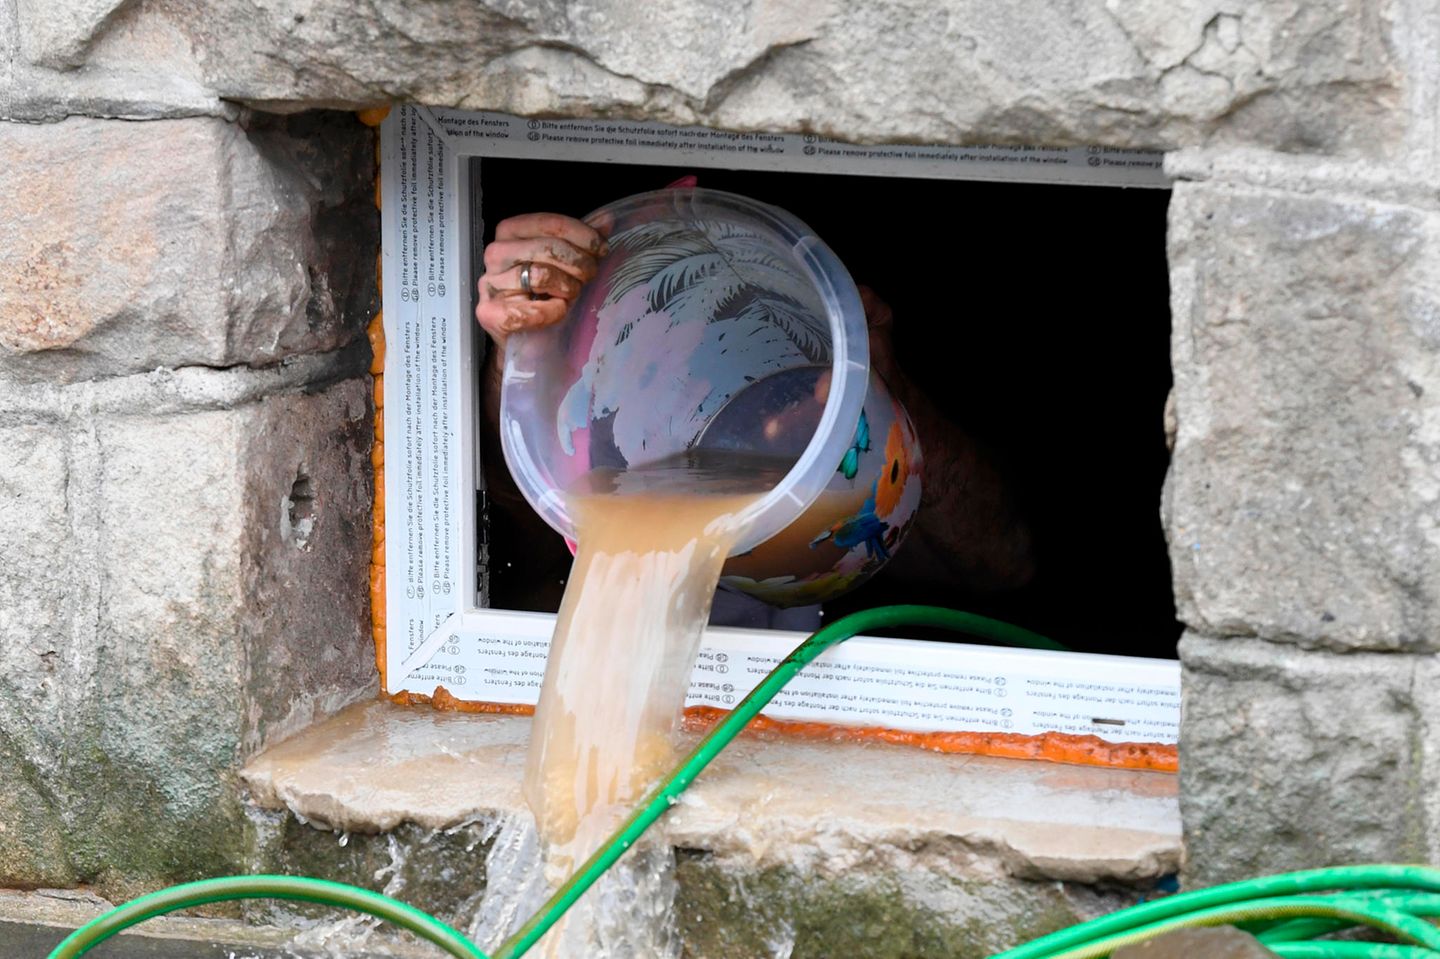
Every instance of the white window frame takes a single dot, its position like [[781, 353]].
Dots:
[[435, 613]]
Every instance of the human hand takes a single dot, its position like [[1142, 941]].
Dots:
[[562, 255]]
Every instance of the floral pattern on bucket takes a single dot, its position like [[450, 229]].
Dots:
[[854, 527]]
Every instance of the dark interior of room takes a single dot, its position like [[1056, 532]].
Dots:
[[1037, 317]]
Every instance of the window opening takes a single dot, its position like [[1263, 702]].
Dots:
[[1034, 316]]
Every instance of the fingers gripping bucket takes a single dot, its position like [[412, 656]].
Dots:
[[704, 296]]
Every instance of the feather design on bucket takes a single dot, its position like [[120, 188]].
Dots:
[[718, 271]]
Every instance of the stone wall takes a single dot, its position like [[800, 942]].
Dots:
[[180, 300], [1303, 510], [185, 495]]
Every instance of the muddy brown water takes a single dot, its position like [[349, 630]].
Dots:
[[651, 545]]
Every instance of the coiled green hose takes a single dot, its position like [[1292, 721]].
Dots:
[[1349, 950], [1390, 899]]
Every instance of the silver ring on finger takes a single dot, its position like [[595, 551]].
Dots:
[[525, 281]]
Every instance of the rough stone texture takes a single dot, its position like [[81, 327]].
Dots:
[[34, 531], [184, 390], [1294, 759], [163, 617], [831, 849], [443, 869], [1340, 178], [725, 908], [1301, 506], [1291, 75], [730, 912], [1037, 72], [106, 59], [1303, 501], [59, 35], [128, 246]]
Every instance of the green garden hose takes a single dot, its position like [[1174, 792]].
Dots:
[[1392, 899], [668, 793], [1285, 931], [230, 888], [654, 806], [1391, 921], [1331, 949]]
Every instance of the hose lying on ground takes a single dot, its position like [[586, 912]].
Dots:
[[1285, 912]]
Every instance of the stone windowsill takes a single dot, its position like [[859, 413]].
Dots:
[[765, 801]]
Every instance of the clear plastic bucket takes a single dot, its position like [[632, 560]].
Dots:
[[703, 296]]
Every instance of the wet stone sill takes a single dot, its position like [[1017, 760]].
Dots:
[[821, 808]]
